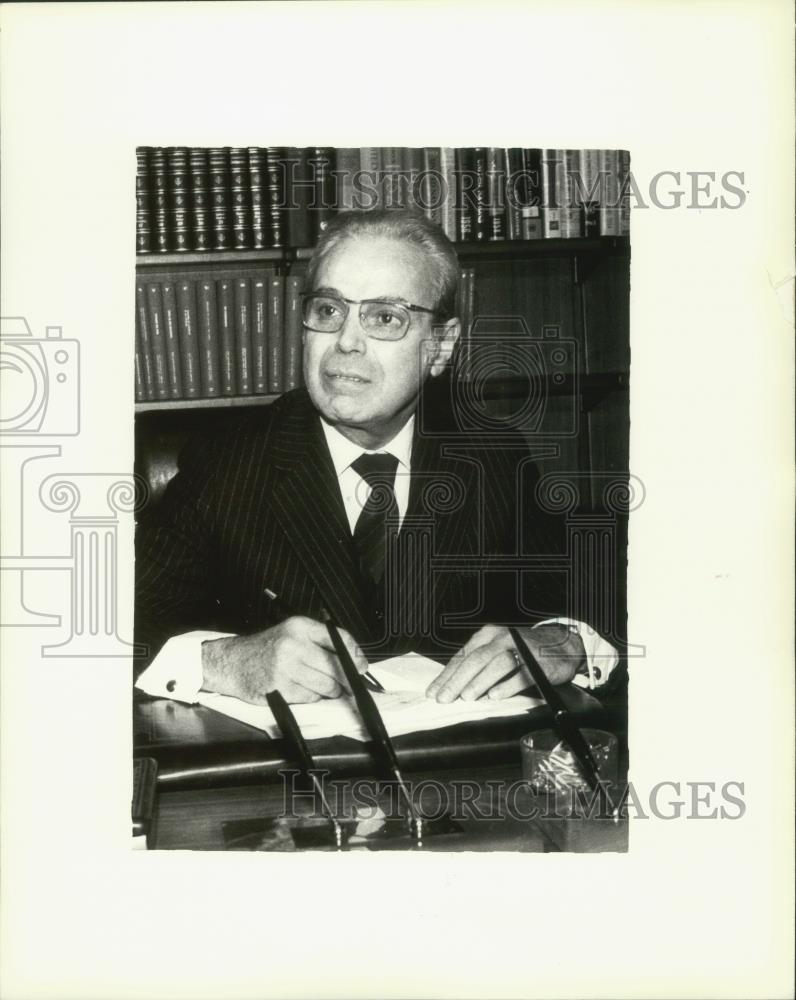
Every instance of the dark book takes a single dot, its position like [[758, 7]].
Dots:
[[208, 337], [392, 181], [609, 210], [346, 171], [257, 192], [298, 195], [188, 328], [368, 187], [140, 389], [157, 341], [143, 202], [243, 337], [481, 218], [200, 199], [321, 208], [143, 341], [259, 335], [170, 322], [623, 169], [413, 166], [496, 192], [589, 191], [571, 212], [550, 165], [293, 330], [218, 165], [275, 211], [430, 194], [275, 334], [241, 207], [465, 195], [533, 211], [179, 199], [160, 199], [516, 191], [447, 157], [227, 348], [466, 306]]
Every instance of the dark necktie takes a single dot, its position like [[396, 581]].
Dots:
[[370, 531]]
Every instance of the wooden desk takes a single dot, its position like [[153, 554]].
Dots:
[[213, 770]]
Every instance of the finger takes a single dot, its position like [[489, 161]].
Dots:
[[480, 638], [465, 671], [318, 633], [296, 694], [499, 667], [512, 685], [318, 681]]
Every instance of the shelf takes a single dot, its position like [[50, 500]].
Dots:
[[614, 245], [587, 385], [216, 403]]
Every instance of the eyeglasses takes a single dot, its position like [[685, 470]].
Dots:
[[379, 319]]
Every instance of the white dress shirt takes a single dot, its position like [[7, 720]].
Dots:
[[176, 671]]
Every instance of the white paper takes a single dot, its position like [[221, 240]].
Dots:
[[404, 706]]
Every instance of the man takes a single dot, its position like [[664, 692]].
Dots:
[[359, 497]]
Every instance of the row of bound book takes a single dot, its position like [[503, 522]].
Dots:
[[257, 198], [230, 334]]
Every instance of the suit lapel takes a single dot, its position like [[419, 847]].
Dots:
[[306, 500]]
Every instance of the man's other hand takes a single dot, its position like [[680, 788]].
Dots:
[[296, 657], [486, 664]]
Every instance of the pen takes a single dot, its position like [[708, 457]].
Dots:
[[289, 610], [373, 722], [292, 735], [564, 724]]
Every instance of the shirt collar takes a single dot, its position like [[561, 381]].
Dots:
[[344, 452]]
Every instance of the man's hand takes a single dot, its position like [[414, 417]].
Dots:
[[487, 665], [295, 656]]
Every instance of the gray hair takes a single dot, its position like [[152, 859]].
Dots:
[[400, 224]]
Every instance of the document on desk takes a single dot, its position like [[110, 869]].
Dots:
[[403, 705]]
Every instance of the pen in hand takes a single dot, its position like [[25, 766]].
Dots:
[[289, 610]]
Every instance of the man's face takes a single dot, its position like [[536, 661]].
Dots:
[[368, 388]]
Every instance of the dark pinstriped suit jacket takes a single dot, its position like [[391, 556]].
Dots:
[[259, 506]]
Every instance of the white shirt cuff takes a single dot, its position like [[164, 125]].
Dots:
[[601, 656], [176, 671]]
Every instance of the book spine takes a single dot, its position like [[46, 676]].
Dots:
[[241, 209], [142, 331], [143, 202], [208, 338], [609, 191], [275, 197], [481, 220], [226, 335], [259, 335], [140, 390], [447, 156], [179, 208], [200, 199], [571, 212], [413, 165], [532, 212], [298, 184], [243, 337], [257, 197], [624, 191], [392, 190], [429, 195], [157, 340], [589, 193], [345, 173], [173, 365], [496, 192], [189, 340], [515, 192], [275, 334], [465, 195], [368, 191], [550, 176], [321, 165], [293, 329], [160, 199], [219, 198], [467, 305]]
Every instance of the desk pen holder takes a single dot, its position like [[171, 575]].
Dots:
[[554, 778]]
